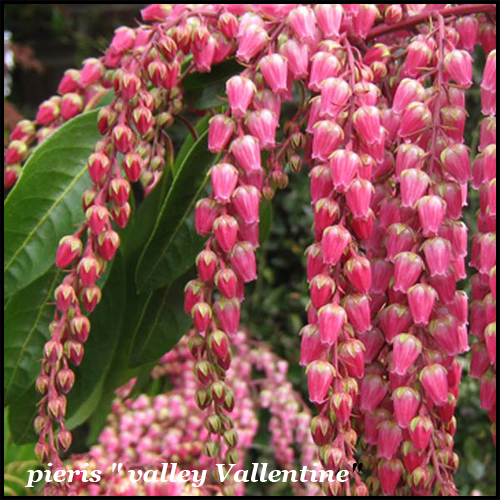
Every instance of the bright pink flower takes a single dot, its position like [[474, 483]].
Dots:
[[224, 178], [415, 120], [246, 200], [205, 213], [226, 282], [420, 432], [344, 166], [321, 289], [243, 261], [326, 137], [88, 270], [247, 152], [418, 57], [373, 391], [488, 252], [421, 299], [358, 197], [437, 253], [331, 320], [251, 40], [435, 382], [226, 232], [335, 241], [412, 458], [220, 131], [326, 213], [382, 273], [240, 91], [156, 12], [407, 269], [71, 105], [373, 340], [329, 17], [311, 347], [335, 94], [364, 19], [298, 58], [202, 316], [91, 72], [414, 184], [351, 353], [274, 69], [323, 65], [358, 311], [262, 124], [468, 29], [47, 112], [405, 351], [431, 213], [303, 23], [480, 360], [321, 182], [69, 248], [390, 473], [406, 402], [315, 264], [458, 64], [358, 272], [488, 391], [206, 263], [490, 339], [409, 156], [455, 160], [228, 314], [389, 439], [489, 82], [107, 244], [320, 375], [367, 123], [408, 91], [341, 404]]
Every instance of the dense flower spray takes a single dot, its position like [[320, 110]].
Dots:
[[377, 94]]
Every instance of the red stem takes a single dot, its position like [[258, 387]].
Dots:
[[460, 10]]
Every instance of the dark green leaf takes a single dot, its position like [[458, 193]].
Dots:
[[45, 204], [22, 413], [204, 90], [174, 243], [26, 327], [266, 220]]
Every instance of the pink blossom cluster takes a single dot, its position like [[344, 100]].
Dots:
[[483, 255]]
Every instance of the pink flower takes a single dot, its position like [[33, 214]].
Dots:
[[274, 68], [358, 272], [228, 314], [458, 64], [262, 124], [303, 23], [335, 241], [431, 213], [367, 124], [390, 473], [331, 320], [408, 91], [224, 178], [246, 200], [344, 165], [323, 65], [421, 299], [226, 232], [247, 152], [437, 253], [311, 346], [407, 269], [329, 17], [405, 351], [220, 131], [240, 91], [406, 402], [358, 197], [320, 375], [358, 311], [435, 382], [251, 40], [389, 439], [298, 58], [326, 137], [455, 160], [414, 184], [243, 260], [373, 391]]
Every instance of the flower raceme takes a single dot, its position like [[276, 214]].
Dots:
[[382, 133]]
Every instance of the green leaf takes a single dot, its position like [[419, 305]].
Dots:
[[26, 325], [160, 322], [173, 244], [266, 220], [45, 204], [204, 90], [22, 413], [101, 347]]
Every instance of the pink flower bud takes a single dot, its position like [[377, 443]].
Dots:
[[247, 152], [490, 339], [71, 105], [367, 124], [400, 238], [416, 118], [298, 58], [405, 351], [320, 375], [418, 57], [321, 183], [373, 391], [489, 82], [487, 391], [395, 319], [156, 12], [420, 431], [358, 271], [326, 137], [331, 321], [326, 213], [335, 240], [53, 351], [65, 297], [226, 282], [358, 311], [406, 402], [365, 19], [311, 347], [202, 316], [123, 138], [323, 65], [408, 156], [80, 327], [329, 17], [243, 260], [274, 69], [434, 380], [69, 82], [224, 178], [228, 314], [240, 91], [107, 244], [454, 118], [437, 253], [421, 299], [389, 439], [407, 269], [119, 191], [193, 293], [65, 380], [246, 200], [91, 72], [226, 232], [251, 40], [206, 263], [47, 112], [358, 197], [468, 29], [488, 252], [143, 120], [262, 124], [455, 160], [90, 297], [70, 247], [220, 131], [458, 64], [351, 353], [315, 263], [408, 91], [335, 94], [97, 218], [132, 165], [321, 288], [480, 360], [344, 165], [412, 458], [431, 213], [303, 23], [414, 184], [88, 270], [205, 213]]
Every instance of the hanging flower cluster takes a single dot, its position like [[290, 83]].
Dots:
[[483, 255], [378, 94]]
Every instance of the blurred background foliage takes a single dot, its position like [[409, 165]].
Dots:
[[50, 38]]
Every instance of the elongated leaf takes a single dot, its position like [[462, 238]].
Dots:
[[22, 413], [26, 327], [173, 244], [101, 347], [160, 322], [45, 204], [205, 90]]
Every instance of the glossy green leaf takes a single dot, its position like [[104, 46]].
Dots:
[[173, 244], [208, 90], [45, 204], [22, 413], [26, 328], [159, 323]]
